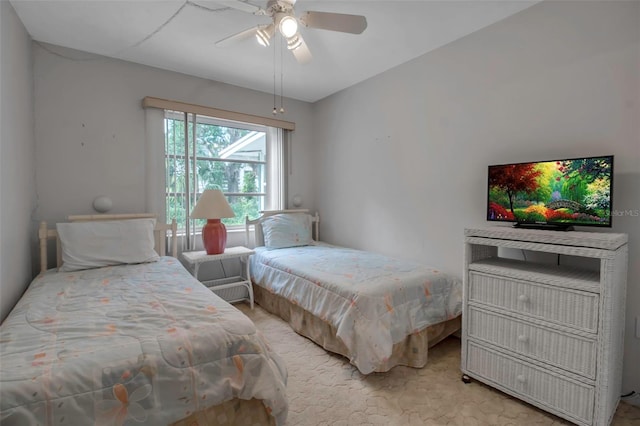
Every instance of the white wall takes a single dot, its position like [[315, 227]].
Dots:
[[17, 159], [90, 127], [402, 158]]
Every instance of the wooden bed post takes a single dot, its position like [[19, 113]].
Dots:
[[174, 239], [42, 236], [58, 251], [316, 223]]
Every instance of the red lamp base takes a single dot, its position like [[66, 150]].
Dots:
[[214, 236]]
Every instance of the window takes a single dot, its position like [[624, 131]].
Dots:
[[245, 161]]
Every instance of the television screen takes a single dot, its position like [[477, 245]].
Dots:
[[557, 193]]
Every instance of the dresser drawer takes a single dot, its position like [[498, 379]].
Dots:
[[570, 308], [570, 352], [567, 398]]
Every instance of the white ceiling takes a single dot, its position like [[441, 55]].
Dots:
[[180, 35]]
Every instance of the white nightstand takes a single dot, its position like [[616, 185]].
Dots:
[[196, 258]]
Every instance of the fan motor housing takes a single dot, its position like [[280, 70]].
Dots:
[[279, 6]]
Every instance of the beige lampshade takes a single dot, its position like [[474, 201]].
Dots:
[[212, 205]]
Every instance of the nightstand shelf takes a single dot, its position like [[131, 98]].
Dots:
[[226, 287]]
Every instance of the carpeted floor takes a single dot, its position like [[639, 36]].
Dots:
[[324, 389]]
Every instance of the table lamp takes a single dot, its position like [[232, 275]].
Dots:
[[213, 206]]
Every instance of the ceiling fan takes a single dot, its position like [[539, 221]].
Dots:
[[284, 20]]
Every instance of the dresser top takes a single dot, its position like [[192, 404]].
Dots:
[[599, 240]]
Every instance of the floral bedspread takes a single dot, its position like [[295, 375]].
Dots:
[[373, 301], [136, 344]]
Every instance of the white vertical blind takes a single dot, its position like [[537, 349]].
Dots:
[[276, 170], [154, 168]]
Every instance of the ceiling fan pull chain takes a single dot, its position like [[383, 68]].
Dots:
[[281, 82], [275, 111]]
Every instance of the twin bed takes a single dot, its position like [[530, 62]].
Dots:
[[119, 333], [377, 311], [141, 343]]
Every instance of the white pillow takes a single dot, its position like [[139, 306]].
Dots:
[[287, 230], [88, 245]]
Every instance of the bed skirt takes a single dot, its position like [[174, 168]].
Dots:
[[230, 413], [412, 351]]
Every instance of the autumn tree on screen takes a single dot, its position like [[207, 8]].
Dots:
[[514, 178]]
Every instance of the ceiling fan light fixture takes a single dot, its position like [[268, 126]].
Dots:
[[288, 26], [284, 21]]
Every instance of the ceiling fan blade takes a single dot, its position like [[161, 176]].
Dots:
[[301, 52], [242, 35], [240, 5], [354, 24]]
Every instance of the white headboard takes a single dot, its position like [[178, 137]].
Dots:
[[258, 237], [160, 234]]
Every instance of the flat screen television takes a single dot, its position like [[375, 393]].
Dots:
[[554, 194]]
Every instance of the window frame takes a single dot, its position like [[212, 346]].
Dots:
[[189, 227], [155, 167]]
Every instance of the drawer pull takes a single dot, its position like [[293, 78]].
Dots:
[[522, 338], [523, 298], [520, 378]]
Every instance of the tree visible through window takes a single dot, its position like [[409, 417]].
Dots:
[[203, 152]]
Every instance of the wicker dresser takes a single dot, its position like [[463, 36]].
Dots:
[[545, 332]]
